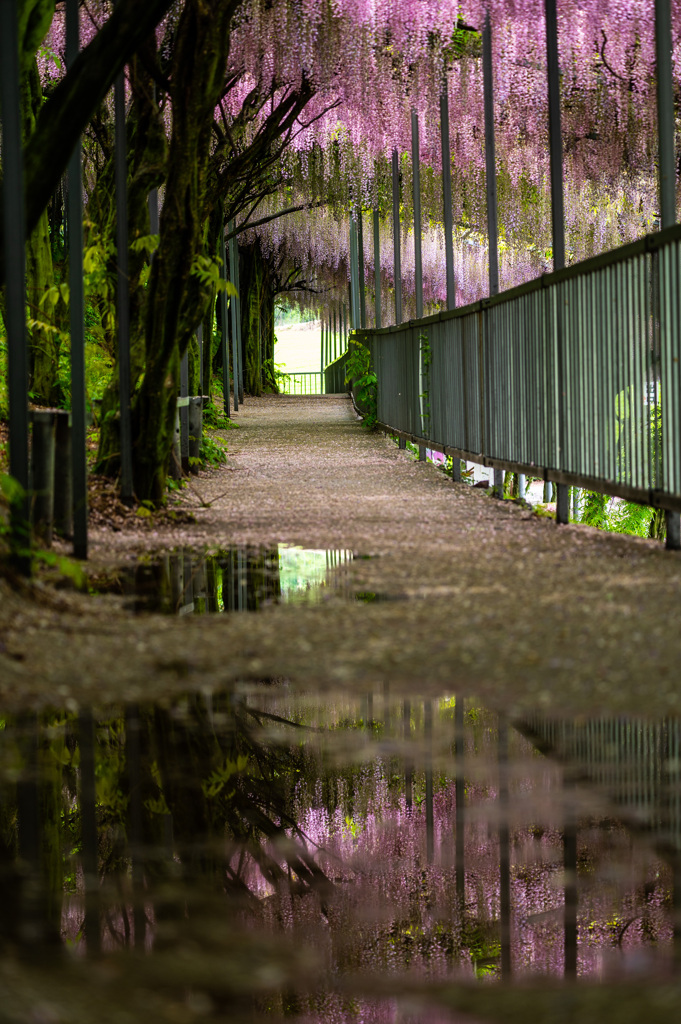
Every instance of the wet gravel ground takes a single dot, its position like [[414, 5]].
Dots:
[[485, 599]]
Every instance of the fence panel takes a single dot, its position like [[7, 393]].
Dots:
[[577, 374]]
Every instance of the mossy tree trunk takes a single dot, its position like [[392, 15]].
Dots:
[[147, 155], [177, 302], [257, 283]]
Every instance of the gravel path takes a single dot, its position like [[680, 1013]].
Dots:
[[486, 599]]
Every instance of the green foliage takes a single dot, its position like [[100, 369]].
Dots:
[[209, 273], [213, 451], [13, 494], [628, 517], [595, 510], [361, 375]]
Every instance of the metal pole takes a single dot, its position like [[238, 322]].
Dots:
[[557, 215], [77, 318], [199, 342], [416, 164], [665, 112], [239, 353], [555, 137], [377, 269], [123, 297], [152, 202], [224, 342], [184, 413], [447, 195], [360, 263], [15, 286], [490, 158], [667, 172], [234, 306], [354, 275], [397, 260]]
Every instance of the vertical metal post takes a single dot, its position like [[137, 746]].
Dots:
[[224, 342], [667, 170], [557, 214], [447, 194], [397, 259], [236, 318], [555, 136], [199, 342], [123, 296], [665, 113], [416, 165], [498, 490], [184, 413], [490, 158], [15, 286], [239, 346], [360, 264], [77, 318], [152, 202], [334, 336], [377, 269], [354, 275]]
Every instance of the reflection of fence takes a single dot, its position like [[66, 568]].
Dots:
[[635, 762], [307, 382], [554, 378]]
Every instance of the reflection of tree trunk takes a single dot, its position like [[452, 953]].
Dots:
[[459, 790], [428, 735], [504, 853], [570, 872], [408, 767]]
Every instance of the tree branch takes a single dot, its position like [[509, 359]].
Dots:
[[274, 216]]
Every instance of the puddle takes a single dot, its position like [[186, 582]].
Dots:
[[237, 579], [276, 855]]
